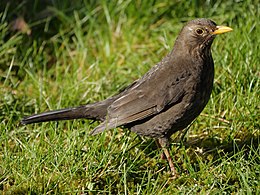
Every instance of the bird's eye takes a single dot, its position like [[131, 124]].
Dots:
[[199, 31]]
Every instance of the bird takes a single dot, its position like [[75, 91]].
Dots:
[[164, 100]]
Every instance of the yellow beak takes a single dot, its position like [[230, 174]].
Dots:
[[221, 29]]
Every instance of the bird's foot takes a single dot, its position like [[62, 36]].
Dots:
[[162, 143]]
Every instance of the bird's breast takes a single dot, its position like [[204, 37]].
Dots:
[[200, 86]]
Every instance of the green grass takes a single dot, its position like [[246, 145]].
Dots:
[[86, 51]]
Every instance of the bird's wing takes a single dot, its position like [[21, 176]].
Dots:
[[143, 100]]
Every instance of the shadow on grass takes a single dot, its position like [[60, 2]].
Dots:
[[188, 155]]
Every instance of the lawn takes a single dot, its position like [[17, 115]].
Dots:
[[57, 54]]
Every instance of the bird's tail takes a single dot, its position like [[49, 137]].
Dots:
[[96, 111]]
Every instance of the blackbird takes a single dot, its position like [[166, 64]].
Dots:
[[166, 99]]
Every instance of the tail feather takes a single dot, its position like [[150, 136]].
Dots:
[[56, 115], [95, 111], [102, 127]]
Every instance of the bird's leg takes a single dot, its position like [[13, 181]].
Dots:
[[164, 144], [163, 157]]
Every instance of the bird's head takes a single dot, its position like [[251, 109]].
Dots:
[[199, 33]]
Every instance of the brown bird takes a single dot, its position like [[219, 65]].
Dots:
[[166, 99]]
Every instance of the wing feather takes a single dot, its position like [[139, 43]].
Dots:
[[148, 96]]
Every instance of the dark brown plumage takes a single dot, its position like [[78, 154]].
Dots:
[[166, 99]]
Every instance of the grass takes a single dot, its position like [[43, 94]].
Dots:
[[86, 51]]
